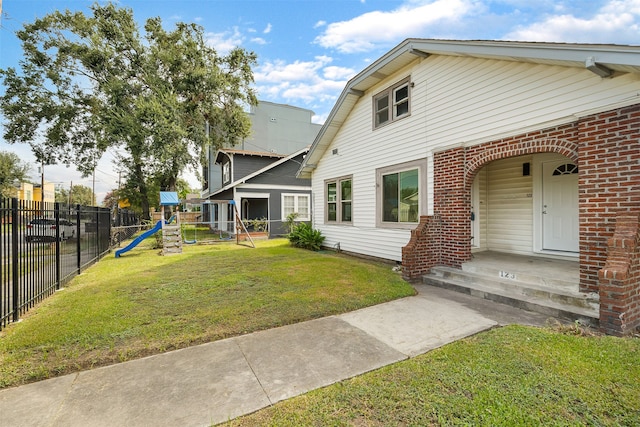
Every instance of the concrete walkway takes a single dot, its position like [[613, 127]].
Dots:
[[215, 382]]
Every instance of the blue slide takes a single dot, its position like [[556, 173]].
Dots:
[[139, 239]]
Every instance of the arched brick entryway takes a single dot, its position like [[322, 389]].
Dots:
[[606, 147]]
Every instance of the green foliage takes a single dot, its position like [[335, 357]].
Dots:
[[79, 195], [111, 199], [304, 236], [291, 221], [510, 376], [12, 172], [91, 82], [259, 224], [141, 304]]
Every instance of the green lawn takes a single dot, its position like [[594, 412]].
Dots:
[[511, 376], [143, 303]]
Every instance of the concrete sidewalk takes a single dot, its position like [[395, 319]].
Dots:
[[215, 382]]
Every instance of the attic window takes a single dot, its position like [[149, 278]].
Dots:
[[566, 169], [391, 104]]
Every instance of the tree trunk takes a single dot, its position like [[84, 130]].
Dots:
[[142, 187]]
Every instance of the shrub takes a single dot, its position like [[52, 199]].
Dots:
[[291, 221], [303, 236]]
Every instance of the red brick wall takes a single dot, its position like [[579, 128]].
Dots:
[[619, 280], [609, 183], [423, 250], [606, 147]]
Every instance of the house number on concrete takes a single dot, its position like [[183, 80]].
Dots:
[[507, 275]]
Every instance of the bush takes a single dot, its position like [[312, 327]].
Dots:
[[303, 236]]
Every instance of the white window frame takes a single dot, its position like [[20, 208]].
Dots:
[[296, 205], [392, 104], [339, 201], [226, 172], [421, 166]]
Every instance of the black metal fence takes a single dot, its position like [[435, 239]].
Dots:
[[44, 245]]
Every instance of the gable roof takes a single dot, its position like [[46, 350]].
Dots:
[[602, 59], [260, 171]]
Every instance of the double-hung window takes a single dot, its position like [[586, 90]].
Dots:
[[392, 103], [296, 203], [339, 200], [400, 199]]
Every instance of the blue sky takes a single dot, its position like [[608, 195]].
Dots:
[[308, 49]]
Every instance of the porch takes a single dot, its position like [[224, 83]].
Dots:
[[544, 285]]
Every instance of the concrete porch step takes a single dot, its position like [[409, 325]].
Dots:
[[555, 301]]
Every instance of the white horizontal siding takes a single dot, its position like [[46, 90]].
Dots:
[[477, 100], [509, 221], [481, 209], [456, 101]]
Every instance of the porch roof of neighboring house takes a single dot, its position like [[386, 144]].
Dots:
[[244, 179], [602, 59], [248, 153]]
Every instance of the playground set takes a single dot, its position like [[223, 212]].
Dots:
[[172, 239]]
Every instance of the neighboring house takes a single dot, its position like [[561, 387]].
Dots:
[[259, 174], [25, 192], [33, 192], [444, 148]]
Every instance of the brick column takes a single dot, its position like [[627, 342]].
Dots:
[[619, 280], [452, 201], [423, 250]]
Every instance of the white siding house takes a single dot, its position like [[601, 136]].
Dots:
[[492, 141]]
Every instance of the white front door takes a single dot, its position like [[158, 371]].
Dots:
[[560, 206]]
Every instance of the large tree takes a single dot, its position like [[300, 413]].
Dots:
[[76, 195], [12, 172], [88, 83]]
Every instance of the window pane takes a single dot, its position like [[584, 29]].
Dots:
[[346, 211], [289, 205], [382, 110], [408, 196], [331, 212], [382, 102], [401, 100], [402, 93], [345, 190], [303, 206], [390, 197], [402, 108], [331, 192]]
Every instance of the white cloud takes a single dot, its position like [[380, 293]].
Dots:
[[338, 73], [225, 41], [280, 71], [320, 24], [301, 82], [259, 40], [618, 21], [364, 32], [267, 30]]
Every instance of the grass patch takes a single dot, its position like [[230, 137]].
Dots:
[[511, 376], [142, 303]]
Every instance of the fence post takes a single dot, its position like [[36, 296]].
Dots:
[[78, 254], [15, 273], [56, 213]]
